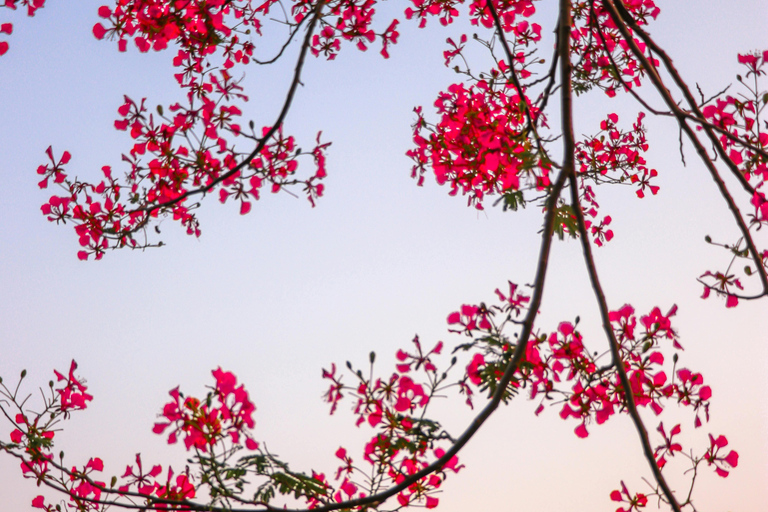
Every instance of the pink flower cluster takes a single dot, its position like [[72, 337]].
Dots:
[[205, 424], [189, 148], [479, 146], [404, 438], [595, 393], [603, 57], [479, 13], [73, 395], [349, 21], [226, 422], [612, 156], [743, 144]]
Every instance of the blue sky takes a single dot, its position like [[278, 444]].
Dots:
[[278, 294]]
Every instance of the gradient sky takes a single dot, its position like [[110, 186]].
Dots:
[[278, 294]]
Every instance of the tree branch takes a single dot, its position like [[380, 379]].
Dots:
[[681, 119], [569, 148], [316, 15]]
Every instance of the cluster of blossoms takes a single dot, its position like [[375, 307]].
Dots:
[[405, 441], [214, 429], [203, 424], [612, 156], [347, 21], [191, 148], [35, 435], [487, 140], [605, 60], [479, 12], [555, 367], [480, 146], [203, 427], [739, 117], [637, 501], [560, 365], [743, 139]]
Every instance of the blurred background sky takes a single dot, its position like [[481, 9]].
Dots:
[[278, 294]]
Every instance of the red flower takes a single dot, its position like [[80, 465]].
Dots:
[[713, 456], [73, 395], [473, 369]]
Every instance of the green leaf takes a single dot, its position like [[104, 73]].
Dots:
[[565, 221], [513, 200]]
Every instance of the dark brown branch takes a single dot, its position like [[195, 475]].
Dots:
[[616, 70], [569, 148], [697, 115], [720, 291], [294, 31], [510, 370], [614, 344], [681, 119]]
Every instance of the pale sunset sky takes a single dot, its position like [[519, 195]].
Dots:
[[279, 294]]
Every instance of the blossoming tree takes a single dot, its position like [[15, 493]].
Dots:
[[501, 136]]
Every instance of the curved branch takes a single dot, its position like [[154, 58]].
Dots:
[[694, 106], [316, 15], [294, 31], [488, 410], [618, 72], [738, 296], [569, 148], [618, 20], [614, 344], [510, 370], [461, 441]]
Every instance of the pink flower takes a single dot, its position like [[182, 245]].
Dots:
[[473, 369], [713, 456], [73, 395], [99, 31]]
